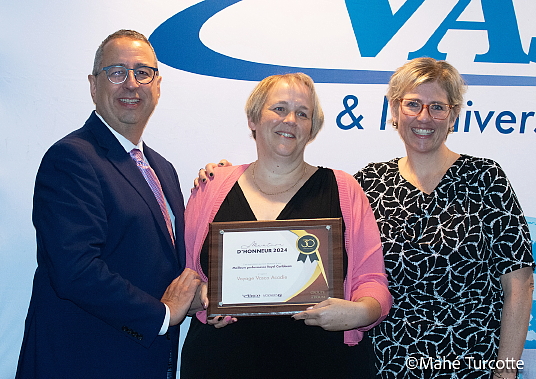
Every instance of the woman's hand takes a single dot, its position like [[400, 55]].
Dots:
[[208, 172], [338, 314], [221, 321]]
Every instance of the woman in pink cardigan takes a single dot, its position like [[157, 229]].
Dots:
[[328, 339]]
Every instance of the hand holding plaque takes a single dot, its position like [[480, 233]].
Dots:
[[273, 267]]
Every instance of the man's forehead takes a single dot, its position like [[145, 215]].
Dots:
[[129, 48]]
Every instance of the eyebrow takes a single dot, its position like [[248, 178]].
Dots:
[[138, 65], [284, 102], [420, 101]]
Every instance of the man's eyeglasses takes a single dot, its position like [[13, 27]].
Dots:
[[118, 74], [438, 111]]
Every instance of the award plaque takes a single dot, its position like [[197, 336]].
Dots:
[[260, 268]]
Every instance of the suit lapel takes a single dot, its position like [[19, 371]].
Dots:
[[122, 161]]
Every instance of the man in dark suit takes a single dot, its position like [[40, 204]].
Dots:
[[107, 296]]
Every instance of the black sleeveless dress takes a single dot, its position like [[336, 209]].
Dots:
[[276, 346]]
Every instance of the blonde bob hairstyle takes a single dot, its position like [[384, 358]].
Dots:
[[426, 70], [257, 99]]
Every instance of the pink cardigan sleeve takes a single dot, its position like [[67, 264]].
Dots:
[[366, 275], [203, 204], [201, 209]]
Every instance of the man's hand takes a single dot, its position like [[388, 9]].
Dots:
[[200, 301], [179, 295], [208, 172]]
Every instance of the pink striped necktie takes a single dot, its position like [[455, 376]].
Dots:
[[155, 185]]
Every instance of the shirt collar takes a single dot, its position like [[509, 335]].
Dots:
[[127, 145]]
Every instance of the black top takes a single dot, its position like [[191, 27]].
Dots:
[[276, 346]]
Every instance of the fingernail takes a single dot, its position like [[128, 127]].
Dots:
[[204, 180], [220, 164], [211, 174]]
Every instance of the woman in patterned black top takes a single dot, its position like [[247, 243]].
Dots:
[[456, 245]]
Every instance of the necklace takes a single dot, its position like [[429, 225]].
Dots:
[[280, 192]]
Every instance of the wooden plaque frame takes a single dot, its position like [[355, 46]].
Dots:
[[330, 250]]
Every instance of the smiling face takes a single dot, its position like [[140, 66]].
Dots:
[[285, 124], [422, 133], [126, 107]]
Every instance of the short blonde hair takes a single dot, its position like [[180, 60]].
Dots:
[[257, 99], [425, 70]]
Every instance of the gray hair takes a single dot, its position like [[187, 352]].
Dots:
[[123, 33]]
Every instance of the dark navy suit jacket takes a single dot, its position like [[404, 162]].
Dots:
[[104, 260]]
